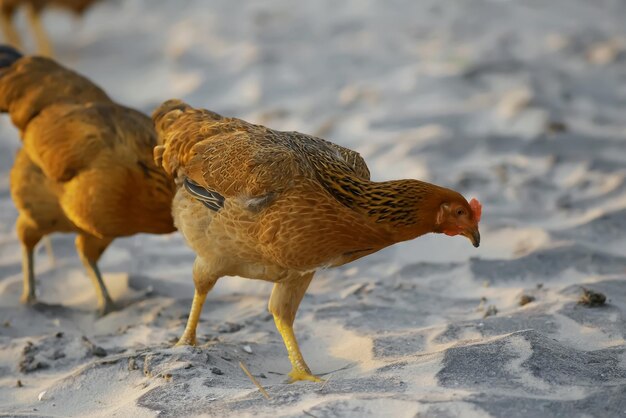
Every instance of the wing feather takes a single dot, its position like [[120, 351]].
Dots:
[[239, 159], [209, 198]]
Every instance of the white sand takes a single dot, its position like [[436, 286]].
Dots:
[[466, 94]]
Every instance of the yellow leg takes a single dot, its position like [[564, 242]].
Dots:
[[43, 42], [204, 280], [29, 236], [284, 303], [189, 336], [49, 250], [10, 34], [28, 270], [90, 249]]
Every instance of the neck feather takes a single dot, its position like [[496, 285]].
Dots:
[[403, 209]]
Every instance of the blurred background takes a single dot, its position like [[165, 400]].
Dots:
[[448, 91], [518, 103]]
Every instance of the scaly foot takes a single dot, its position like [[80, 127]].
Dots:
[[186, 340], [296, 375], [28, 298]]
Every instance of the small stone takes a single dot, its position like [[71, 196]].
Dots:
[[491, 311], [555, 127], [247, 349], [188, 366], [481, 305], [557, 41], [604, 53], [98, 351], [514, 102], [94, 349], [216, 371], [525, 300], [41, 395], [229, 328], [19, 384], [591, 298], [59, 335]]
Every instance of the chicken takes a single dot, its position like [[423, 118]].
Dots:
[[34, 9], [86, 165], [276, 206]]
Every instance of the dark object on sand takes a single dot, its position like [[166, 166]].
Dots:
[[95, 350], [591, 298], [556, 127], [525, 300], [491, 311]]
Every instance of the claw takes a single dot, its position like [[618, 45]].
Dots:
[[297, 375]]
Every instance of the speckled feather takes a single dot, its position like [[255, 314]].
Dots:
[[319, 206], [89, 158], [276, 206]]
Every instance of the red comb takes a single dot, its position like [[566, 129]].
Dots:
[[477, 208]]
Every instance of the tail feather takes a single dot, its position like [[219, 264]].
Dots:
[[35, 83], [8, 55], [176, 124]]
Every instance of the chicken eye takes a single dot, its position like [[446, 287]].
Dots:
[[460, 212]]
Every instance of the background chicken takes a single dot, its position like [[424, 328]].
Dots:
[[276, 206], [86, 164], [34, 9]]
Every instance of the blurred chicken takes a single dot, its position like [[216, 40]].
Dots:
[[276, 206], [86, 165], [34, 9]]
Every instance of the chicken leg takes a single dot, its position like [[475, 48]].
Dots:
[[284, 303], [28, 269], [29, 235], [49, 251], [90, 249], [43, 42], [204, 280]]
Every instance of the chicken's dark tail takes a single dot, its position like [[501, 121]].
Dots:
[[8, 55]]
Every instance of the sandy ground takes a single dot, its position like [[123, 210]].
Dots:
[[520, 104]]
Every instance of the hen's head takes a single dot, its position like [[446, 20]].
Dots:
[[458, 217]]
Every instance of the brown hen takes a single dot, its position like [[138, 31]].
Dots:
[[34, 9], [86, 165], [276, 206]]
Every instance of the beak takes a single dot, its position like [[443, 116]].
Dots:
[[473, 236]]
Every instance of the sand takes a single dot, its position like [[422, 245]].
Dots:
[[520, 104]]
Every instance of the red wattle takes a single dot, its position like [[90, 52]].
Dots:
[[477, 208]]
